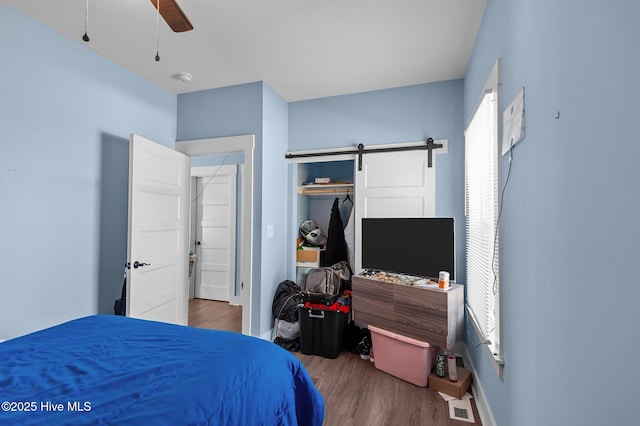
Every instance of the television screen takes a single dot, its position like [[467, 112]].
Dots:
[[412, 246]]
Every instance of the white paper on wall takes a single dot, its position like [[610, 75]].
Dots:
[[513, 122]]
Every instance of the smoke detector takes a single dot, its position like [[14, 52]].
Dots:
[[185, 77]]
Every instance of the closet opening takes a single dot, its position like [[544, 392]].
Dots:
[[319, 182]]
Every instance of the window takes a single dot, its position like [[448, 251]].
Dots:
[[482, 221]]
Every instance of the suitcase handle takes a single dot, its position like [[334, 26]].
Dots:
[[314, 315]]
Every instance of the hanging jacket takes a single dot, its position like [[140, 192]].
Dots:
[[336, 249]]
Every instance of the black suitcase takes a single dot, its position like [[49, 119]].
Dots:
[[320, 298]]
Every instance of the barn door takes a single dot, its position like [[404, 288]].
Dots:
[[392, 184]]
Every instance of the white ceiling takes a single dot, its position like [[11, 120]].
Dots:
[[302, 49]]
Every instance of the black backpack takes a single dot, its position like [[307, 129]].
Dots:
[[286, 327], [120, 305], [286, 301]]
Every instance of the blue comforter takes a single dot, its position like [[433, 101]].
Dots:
[[108, 369]]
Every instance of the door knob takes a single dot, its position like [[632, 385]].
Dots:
[[197, 243], [137, 264]]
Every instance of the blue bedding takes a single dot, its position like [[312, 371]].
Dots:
[[108, 369]]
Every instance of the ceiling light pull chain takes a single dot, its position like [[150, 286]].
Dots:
[[85, 37], [157, 30]]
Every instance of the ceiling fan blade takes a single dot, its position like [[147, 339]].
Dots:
[[173, 15]]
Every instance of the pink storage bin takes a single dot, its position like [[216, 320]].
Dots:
[[406, 358]]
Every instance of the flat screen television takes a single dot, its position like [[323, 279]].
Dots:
[[412, 246]]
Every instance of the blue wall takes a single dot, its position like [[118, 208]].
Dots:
[[404, 114], [569, 243], [274, 202], [65, 118]]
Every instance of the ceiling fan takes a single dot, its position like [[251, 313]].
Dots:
[[170, 12], [173, 15]]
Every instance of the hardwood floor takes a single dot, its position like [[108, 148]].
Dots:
[[213, 314], [355, 392]]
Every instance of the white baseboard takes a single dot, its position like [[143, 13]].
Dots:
[[486, 415], [267, 335]]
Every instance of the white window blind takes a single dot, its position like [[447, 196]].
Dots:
[[481, 209]]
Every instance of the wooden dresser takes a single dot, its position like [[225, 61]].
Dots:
[[426, 313]]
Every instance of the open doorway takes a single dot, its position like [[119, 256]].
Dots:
[[243, 145], [214, 286]]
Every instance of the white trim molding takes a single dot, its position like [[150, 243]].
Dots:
[[246, 145], [484, 410]]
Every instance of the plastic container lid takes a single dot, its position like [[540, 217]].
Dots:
[[399, 337]]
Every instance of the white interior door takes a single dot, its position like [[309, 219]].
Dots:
[[216, 234], [158, 240], [392, 184]]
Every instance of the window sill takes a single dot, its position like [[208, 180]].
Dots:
[[494, 358]]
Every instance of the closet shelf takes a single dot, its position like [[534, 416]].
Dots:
[[326, 189]]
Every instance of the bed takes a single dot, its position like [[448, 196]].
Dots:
[[108, 369]]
